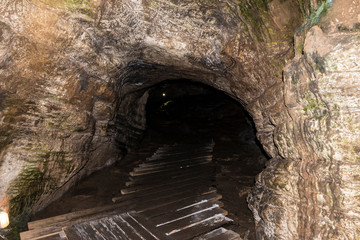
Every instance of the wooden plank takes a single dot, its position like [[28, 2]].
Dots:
[[148, 225], [220, 234], [202, 227], [106, 228], [164, 191], [180, 168], [175, 156], [174, 172], [186, 211], [175, 165], [82, 231], [60, 236], [40, 233], [211, 234], [145, 181], [173, 206], [195, 178], [228, 235], [160, 160], [184, 148], [191, 221], [56, 227], [53, 236], [152, 204], [116, 231], [174, 175], [169, 164], [129, 231], [73, 215], [143, 231]]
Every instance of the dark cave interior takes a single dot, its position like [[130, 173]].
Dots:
[[186, 112]]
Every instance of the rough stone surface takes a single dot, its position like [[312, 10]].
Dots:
[[75, 80], [313, 194]]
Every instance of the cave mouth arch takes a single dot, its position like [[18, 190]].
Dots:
[[184, 111]]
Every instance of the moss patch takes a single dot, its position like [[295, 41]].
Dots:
[[38, 178], [254, 15], [312, 14], [317, 108], [11, 108], [315, 16], [81, 6]]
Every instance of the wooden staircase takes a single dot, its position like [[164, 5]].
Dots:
[[169, 196]]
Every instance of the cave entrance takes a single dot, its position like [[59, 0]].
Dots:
[[190, 113]]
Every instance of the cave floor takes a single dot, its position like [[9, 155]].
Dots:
[[236, 155]]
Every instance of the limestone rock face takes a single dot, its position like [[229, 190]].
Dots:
[[75, 76], [314, 193]]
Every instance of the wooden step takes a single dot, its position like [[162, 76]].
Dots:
[[54, 226], [172, 159], [143, 231], [171, 175], [161, 170], [139, 218], [201, 227], [165, 191], [169, 164], [185, 149], [220, 234], [161, 178], [142, 171], [186, 211], [128, 225], [162, 202], [73, 215], [177, 225], [175, 182], [180, 204], [156, 158]]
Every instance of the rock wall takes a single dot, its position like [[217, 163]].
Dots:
[[313, 194], [74, 80]]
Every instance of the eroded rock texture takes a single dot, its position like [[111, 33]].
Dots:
[[75, 77], [314, 193]]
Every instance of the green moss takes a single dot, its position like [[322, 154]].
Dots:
[[154, 5], [317, 108], [26, 189], [80, 6], [254, 15], [315, 16], [12, 108], [280, 183], [38, 178], [300, 48], [312, 12]]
